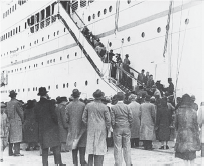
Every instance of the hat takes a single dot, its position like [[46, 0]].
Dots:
[[97, 94], [42, 91], [63, 99], [58, 100], [12, 93], [158, 81], [147, 98], [143, 70], [169, 79], [127, 55], [3, 105], [30, 104], [154, 86], [132, 97], [193, 97], [120, 96], [75, 93]]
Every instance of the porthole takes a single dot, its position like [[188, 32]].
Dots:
[[54, 33], [97, 81], [48, 87], [99, 13], [110, 9], [105, 11], [122, 40], [110, 44], [28, 89], [23, 90], [56, 86], [68, 56], [186, 21], [128, 39], [57, 32], [64, 29], [143, 34], [158, 29], [48, 36], [53, 60], [129, 1], [75, 53], [36, 88], [42, 63], [67, 85], [36, 65], [18, 90], [60, 58], [63, 85], [29, 67], [33, 89], [42, 38], [86, 83], [89, 18], [93, 16], [75, 84], [167, 27]]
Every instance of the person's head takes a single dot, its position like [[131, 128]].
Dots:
[[111, 51], [42, 92], [147, 98], [75, 93], [127, 55], [193, 98], [98, 94], [143, 71], [152, 99], [120, 96], [132, 97], [147, 73], [63, 99], [178, 100], [3, 108], [58, 99], [114, 100], [186, 100], [151, 77], [169, 80], [163, 102], [12, 94]]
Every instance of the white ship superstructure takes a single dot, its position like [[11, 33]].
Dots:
[[38, 50]]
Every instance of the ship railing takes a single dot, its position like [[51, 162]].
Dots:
[[53, 18], [32, 29], [37, 27], [42, 24], [47, 21]]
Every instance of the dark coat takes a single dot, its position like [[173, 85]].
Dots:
[[74, 111], [187, 139], [163, 122], [62, 124], [30, 126], [48, 123]]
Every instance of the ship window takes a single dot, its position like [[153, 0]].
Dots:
[[42, 38], [105, 11], [34, 65], [48, 87], [99, 13], [37, 17], [25, 68], [53, 60], [25, 25], [29, 67], [64, 29], [97, 81], [129, 1], [68, 56], [158, 29], [42, 14], [47, 11], [42, 63], [110, 9], [53, 7], [143, 34], [12, 8], [19, 28], [6, 35], [89, 18], [75, 53], [110, 44], [93, 16], [86, 83], [167, 27], [30, 44], [23, 90], [75, 84], [48, 62], [74, 5], [16, 30], [128, 39], [33, 89], [34, 42], [15, 6], [11, 32], [82, 3], [60, 58], [186, 21], [67, 85], [37, 40], [63, 85], [18, 90], [28, 89], [57, 32], [54, 33], [32, 20], [48, 36], [56, 86]]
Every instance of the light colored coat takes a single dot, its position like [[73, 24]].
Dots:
[[74, 111], [97, 117], [147, 129], [15, 116], [136, 112]]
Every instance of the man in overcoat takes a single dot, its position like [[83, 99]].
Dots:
[[16, 119], [48, 127], [121, 118], [147, 128], [136, 113], [77, 130], [97, 118], [62, 123]]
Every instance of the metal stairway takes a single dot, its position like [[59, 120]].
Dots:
[[91, 55]]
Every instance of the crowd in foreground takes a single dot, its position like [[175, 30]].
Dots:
[[90, 126]]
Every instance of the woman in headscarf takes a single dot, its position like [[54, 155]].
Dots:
[[187, 140], [163, 122]]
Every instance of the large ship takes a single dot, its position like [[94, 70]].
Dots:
[[42, 44]]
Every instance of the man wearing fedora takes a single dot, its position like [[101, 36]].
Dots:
[[77, 130], [121, 117], [62, 123], [48, 127], [170, 89], [97, 118], [16, 119]]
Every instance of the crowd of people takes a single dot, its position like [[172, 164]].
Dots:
[[92, 125]]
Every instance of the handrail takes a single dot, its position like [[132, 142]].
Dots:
[[134, 70], [79, 18]]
